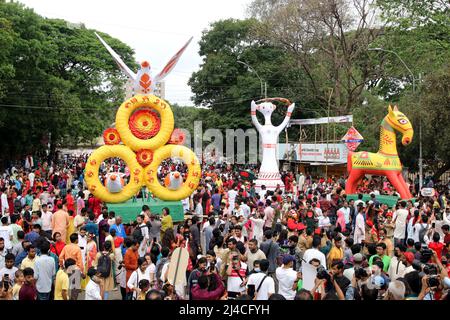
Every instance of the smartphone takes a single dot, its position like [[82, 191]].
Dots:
[[433, 225], [251, 290], [154, 239]]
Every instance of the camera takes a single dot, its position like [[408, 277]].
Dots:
[[433, 281], [212, 266], [427, 268], [322, 273]]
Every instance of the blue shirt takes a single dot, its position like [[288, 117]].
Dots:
[[32, 236], [92, 227], [20, 258]]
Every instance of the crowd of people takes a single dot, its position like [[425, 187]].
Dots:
[[307, 241]]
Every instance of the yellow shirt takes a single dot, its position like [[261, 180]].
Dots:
[[166, 223], [16, 290], [28, 263], [61, 283], [335, 254]]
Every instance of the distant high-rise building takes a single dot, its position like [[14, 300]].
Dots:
[[160, 89]]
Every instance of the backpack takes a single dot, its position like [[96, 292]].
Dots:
[[422, 233], [137, 234], [104, 265]]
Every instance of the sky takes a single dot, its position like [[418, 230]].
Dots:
[[155, 30]]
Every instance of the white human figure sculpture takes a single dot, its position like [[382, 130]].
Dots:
[[269, 174]]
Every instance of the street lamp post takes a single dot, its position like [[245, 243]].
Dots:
[[263, 83], [420, 118]]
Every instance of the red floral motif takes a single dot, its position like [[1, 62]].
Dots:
[[111, 136], [144, 157]]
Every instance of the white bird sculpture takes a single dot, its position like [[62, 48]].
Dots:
[[143, 81]]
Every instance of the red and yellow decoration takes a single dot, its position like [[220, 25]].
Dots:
[[177, 137], [111, 136], [144, 123], [144, 157]]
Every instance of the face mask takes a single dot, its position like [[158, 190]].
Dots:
[[257, 270]]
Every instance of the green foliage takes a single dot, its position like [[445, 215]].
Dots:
[[57, 83]]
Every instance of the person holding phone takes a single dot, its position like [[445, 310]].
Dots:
[[236, 276]]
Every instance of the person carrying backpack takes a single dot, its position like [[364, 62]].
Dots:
[[421, 229], [104, 265]]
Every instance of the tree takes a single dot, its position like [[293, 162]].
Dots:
[[226, 86], [58, 85], [329, 40]]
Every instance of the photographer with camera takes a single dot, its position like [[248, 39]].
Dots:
[[209, 286]]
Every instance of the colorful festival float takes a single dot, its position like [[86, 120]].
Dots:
[[144, 137], [269, 174], [383, 163]]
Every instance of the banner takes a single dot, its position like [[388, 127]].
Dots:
[[310, 152], [340, 119]]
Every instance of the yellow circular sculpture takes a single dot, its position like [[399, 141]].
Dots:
[[144, 101], [192, 179], [92, 179]]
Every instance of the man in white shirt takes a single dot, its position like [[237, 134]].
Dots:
[[399, 219], [287, 278], [93, 291], [264, 285], [346, 211], [360, 196], [360, 226], [245, 209], [421, 228], [309, 271], [46, 217], [145, 234], [4, 201], [6, 233], [232, 193]]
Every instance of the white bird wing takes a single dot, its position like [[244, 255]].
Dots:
[[171, 64], [118, 60]]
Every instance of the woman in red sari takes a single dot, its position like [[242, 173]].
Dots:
[[58, 244]]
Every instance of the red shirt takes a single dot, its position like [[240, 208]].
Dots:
[[70, 202], [437, 247]]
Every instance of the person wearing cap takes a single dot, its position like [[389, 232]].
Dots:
[[287, 278], [407, 258], [358, 258]]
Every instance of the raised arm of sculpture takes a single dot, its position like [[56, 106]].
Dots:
[[255, 121], [286, 119]]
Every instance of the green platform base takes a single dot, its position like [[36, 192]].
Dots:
[[130, 209], [389, 200]]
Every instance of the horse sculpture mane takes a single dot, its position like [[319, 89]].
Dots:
[[386, 161]]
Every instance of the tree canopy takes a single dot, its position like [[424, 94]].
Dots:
[[58, 85]]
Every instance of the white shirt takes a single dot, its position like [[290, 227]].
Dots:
[[232, 197], [400, 223], [308, 270], [82, 243], [234, 282], [143, 246], [346, 212], [286, 279], [324, 221], [267, 287], [46, 220], [138, 275], [245, 210], [6, 233], [417, 228], [92, 291], [358, 202], [5, 204]]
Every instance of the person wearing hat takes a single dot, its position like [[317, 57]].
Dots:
[[407, 258], [287, 278], [358, 258]]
